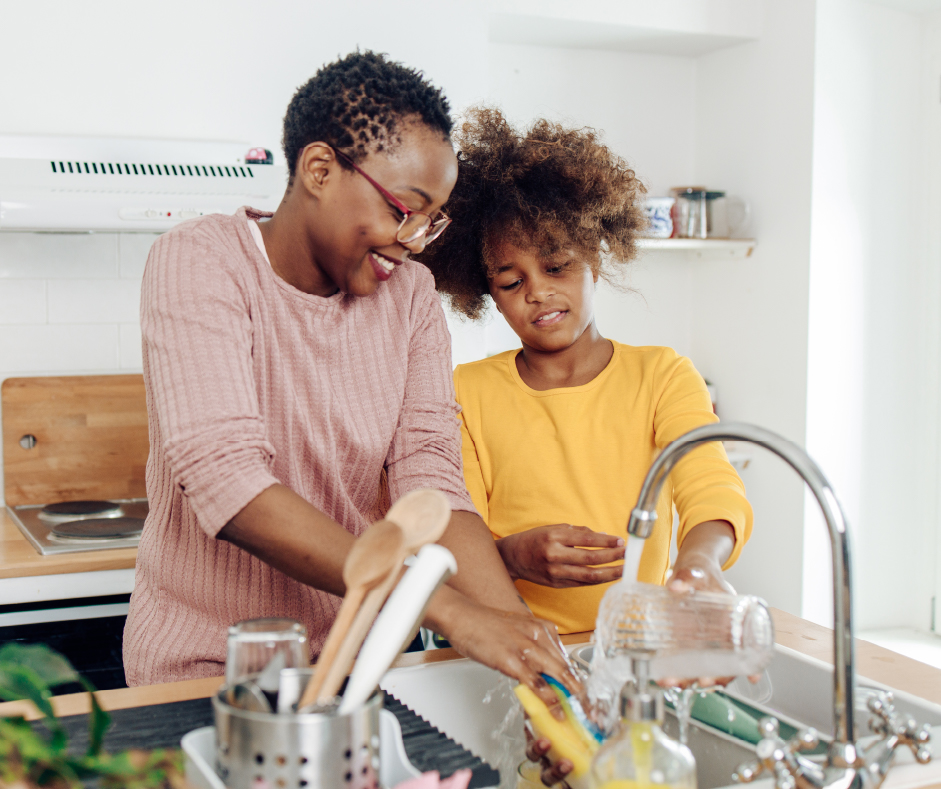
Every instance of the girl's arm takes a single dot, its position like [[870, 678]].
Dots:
[[702, 555], [715, 517]]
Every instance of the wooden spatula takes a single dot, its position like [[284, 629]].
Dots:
[[374, 556], [423, 516]]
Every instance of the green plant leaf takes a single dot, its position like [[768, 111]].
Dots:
[[21, 682], [98, 721], [49, 665]]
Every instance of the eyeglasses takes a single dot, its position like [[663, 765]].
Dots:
[[414, 224]]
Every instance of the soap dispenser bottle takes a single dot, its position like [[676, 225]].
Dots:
[[639, 755]]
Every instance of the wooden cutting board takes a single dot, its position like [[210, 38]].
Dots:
[[90, 436]]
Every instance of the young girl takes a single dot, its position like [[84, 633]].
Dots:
[[557, 436]]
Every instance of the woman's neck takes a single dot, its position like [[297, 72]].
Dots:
[[289, 250], [576, 365]]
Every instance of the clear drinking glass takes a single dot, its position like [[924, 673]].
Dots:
[[255, 642], [686, 635]]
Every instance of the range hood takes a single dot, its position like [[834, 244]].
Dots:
[[82, 184]]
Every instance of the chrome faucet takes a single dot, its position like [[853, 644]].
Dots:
[[849, 763]]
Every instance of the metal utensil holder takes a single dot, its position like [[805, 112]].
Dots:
[[321, 750]]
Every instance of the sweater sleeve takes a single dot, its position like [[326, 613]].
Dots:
[[705, 486], [197, 336], [426, 448], [473, 474]]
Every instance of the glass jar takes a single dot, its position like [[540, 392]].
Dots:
[[690, 218]]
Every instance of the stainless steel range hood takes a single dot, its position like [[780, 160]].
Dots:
[[82, 184]]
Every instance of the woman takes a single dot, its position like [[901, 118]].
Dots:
[[295, 368]]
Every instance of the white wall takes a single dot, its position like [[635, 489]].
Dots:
[[213, 69], [754, 122], [644, 106], [872, 335]]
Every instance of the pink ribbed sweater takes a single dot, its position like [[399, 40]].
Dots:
[[251, 382]]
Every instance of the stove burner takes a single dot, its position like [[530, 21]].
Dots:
[[65, 511], [98, 529]]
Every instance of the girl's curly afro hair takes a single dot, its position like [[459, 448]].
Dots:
[[551, 187]]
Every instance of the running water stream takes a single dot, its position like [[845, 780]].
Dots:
[[632, 554]]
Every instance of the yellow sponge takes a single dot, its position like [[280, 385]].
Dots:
[[566, 741]]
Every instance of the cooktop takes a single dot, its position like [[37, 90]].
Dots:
[[74, 526]]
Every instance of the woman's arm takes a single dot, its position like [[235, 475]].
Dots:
[[284, 530], [480, 613]]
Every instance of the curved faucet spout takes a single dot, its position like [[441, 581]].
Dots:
[[842, 751]]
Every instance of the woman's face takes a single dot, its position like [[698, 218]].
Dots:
[[547, 300], [353, 231]]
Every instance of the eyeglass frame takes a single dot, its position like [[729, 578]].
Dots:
[[440, 224]]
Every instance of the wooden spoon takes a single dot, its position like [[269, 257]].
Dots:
[[423, 516], [373, 557]]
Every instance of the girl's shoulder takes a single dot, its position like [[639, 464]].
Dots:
[[648, 358], [494, 371]]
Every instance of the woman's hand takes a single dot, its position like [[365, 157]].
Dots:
[[515, 644], [562, 556]]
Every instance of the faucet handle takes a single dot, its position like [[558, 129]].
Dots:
[[777, 756], [887, 723]]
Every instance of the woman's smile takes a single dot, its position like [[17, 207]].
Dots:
[[383, 265]]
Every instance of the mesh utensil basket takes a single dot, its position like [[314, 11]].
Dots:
[[322, 750]]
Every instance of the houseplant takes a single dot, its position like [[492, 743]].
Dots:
[[31, 757]]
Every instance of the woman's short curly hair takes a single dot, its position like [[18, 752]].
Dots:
[[549, 186], [356, 104]]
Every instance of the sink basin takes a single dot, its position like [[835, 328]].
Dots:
[[475, 706]]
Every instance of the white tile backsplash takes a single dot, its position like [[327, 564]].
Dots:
[[129, 347], [22, 301], [57, 255], [63, 348], [132, 253], [69, 302], [94, 300]]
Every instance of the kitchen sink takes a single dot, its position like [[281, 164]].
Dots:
[[475, 706]]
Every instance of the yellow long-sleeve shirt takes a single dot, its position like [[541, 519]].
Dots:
[[578, 455]]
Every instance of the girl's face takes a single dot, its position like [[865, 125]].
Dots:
[[353, 230], [548, 301]]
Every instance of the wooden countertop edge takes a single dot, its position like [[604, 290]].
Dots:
[[19, 559], [62, 564], [872, 661]]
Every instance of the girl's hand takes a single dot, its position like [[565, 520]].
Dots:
[[551, 772], [698, 566], [700, 558], [562, 556]]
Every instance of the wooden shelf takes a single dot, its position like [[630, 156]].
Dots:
[[703, 248]]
